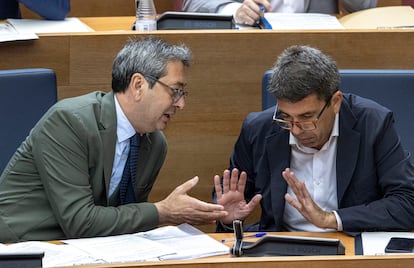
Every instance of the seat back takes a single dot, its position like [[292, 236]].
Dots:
[[25, 95], [177, 5], [392, 88], [407, 3]]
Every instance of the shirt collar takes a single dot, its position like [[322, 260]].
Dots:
[[124, 129]]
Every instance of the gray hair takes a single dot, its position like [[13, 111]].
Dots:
[[301, 71], [148, 56]]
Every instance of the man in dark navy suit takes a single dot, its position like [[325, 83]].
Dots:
[[320, 160]]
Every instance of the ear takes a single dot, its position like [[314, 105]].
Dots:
[[337, 101], [137, 85]]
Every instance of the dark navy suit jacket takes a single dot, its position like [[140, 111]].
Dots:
[[48, 9], [375, 178]]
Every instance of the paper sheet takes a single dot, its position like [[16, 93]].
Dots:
[[303, 21], [373, 243], [55, 255], [49, 26], [190, 242], [121, 248], [170, 242], [9, 33]]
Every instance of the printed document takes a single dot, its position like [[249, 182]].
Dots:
[[303, 21], [67, 25], [374, 243], [9, 33], [165, 243]]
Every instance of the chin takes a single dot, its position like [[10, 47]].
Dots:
[[162, 126]]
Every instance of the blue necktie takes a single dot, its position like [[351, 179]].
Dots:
[[126, 185]]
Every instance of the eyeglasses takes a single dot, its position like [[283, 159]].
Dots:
[[303, 125], [176, 93]]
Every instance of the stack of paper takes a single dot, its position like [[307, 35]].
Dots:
[[26, 29], [299, 21], [68, 25], [302, 21], [9, 33], [165, 243]]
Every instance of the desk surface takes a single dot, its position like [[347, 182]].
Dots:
[[224, 80], [347, 261]]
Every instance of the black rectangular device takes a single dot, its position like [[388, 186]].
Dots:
[[279, 245], [276, 245], [400, 245], [172, 20], [21, 260]]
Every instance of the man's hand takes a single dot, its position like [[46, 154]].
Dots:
[[249, 12], [305, 205], [231, 196], [179, 207]]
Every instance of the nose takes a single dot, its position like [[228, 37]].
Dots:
[[180, 103], [295, 130]]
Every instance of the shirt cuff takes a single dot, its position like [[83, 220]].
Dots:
[[338, 221]]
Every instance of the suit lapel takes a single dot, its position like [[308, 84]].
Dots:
[[278, 151], [107, 125], [347, 151]]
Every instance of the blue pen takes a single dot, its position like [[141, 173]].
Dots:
[[246, 236], [264, 23]]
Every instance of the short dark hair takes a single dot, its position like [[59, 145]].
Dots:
[[148, 56], [301, 71]]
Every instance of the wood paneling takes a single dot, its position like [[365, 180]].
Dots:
[[103, 8], [384, 3]]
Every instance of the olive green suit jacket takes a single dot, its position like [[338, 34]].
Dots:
[[56, 184]]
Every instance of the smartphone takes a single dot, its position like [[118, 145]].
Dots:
[[400, 245]]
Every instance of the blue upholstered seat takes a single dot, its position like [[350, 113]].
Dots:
[[25, 95], [391, 88]]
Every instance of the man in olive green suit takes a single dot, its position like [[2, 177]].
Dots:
[[64, 180]]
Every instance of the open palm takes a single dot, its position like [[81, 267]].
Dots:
[[231, 196]]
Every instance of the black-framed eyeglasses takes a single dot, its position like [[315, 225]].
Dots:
[[303, 125], [176, 93]]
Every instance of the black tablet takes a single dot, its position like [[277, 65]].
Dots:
[[172, 20], [400, 245]]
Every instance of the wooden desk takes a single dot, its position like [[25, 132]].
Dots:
[[395, 261], [224, 81], [226, 261]]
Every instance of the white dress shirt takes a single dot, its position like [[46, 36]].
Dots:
[[281, 6], [124, 131], [317, 168]]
